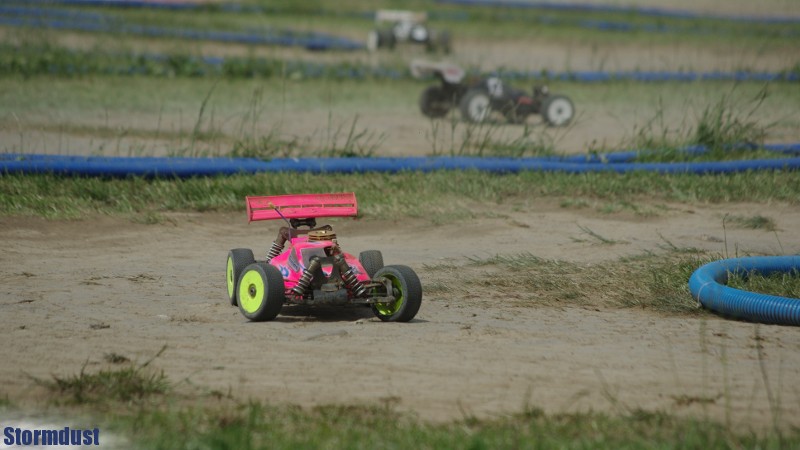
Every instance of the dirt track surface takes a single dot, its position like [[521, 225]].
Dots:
[[75, 291], [71, 292]]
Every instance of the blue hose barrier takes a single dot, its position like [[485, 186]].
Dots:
[[643, 11], [707, 285], [693, 150], [596, 24], [121, 4], [652, 77], [543, 5], [96, 22], [189, 167]]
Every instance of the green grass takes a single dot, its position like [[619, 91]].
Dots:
[[131, 383], [779, 284], [438, 196], [650, 281], [164, 419], [757, 222], [256, 426], [108, 385]]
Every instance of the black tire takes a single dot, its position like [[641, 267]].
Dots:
[[387, 39], [557, 110], [434, 102], [407, 285], [238, 259], [384, 38], [260, 292], [476, 106], [372, 261]]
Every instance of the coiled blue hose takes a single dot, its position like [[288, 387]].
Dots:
[[708, 286]]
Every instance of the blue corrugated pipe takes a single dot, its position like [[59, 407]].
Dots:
[[189, 167], [644, 11], [708, 286], [546, 5], [94, 22]]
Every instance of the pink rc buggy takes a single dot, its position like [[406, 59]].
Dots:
[[313, 269]]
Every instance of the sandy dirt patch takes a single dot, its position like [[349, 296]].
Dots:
[[74, 291], [71, 292]]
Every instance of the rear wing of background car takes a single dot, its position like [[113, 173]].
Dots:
[[451, 73], [395, 15], [302, 206]]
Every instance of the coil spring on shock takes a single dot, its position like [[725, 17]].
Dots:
[[349, 277], [274, 251], [305, 280]]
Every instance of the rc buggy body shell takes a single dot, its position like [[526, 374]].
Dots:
[[292, 262], [306, 265]]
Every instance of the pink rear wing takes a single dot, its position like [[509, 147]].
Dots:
[[302, 206]]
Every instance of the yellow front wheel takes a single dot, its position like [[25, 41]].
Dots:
[[406, 290], [260, 292]]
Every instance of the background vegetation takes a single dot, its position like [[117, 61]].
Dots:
[[126, 94]]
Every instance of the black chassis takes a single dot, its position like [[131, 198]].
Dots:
[[513, 103]]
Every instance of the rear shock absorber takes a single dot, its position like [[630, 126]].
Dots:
[[278, 243], [275, 250], [349, 277], [305, 280]]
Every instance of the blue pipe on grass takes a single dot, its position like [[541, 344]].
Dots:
[[31, 17], [708, 286], [120, 4], [452, 15], [188, 167], [601, 8], [692, 150]]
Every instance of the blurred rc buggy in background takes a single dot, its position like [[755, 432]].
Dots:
[[393, 27], [478, 100]]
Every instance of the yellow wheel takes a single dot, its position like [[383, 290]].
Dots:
[[407, 293], [260, 292], [238, 259]]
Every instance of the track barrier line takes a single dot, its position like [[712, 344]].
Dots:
[[619, 162]]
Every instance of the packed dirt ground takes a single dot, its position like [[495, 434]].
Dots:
[[74, 291]]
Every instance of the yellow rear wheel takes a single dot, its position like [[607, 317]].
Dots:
[[238, 259]]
